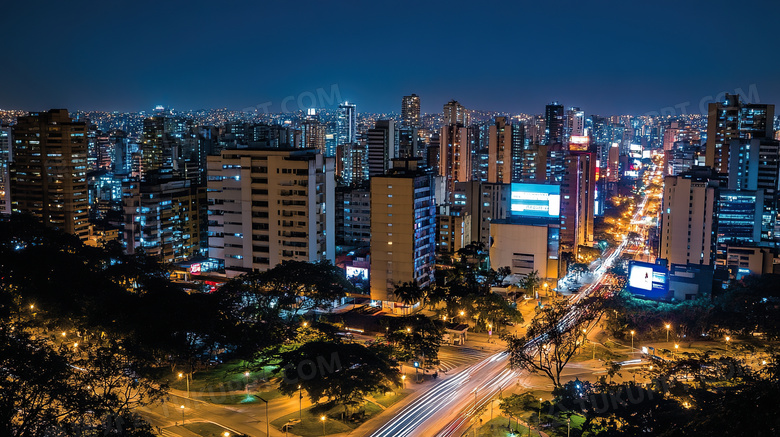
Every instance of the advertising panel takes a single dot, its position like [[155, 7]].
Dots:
[[535, 200]]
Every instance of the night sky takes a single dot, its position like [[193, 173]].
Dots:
[[607, 57]]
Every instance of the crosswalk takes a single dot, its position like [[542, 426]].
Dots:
[[451, 357]]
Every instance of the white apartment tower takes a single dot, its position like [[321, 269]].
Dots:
[[269, 206]]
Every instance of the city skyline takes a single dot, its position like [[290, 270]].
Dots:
[[610, 59]]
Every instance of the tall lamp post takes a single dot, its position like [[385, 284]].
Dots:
[[246, 385], [182, 415], [267, 425], [186, 376], [539, 419], [300, 403], [322, 419], [632, 340], [667, 332]]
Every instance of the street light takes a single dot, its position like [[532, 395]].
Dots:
[[539, 419], [667, 332], [322, 419], [676, 347], [182, 415], [267, 424], [187, 377], [568, 426], [305, 324], [246, 386], [632, 340], [300, 403], [403, 381]]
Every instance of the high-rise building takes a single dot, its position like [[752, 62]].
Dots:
[[554, 123], [6, 141], [454, 114], [454, 156], [754, 164], [671, 135], [410, 145], [267, 206], [739, 218], [164, 219], [732, 120], [575, 124], [48, 174], [157, 147], [505, 149], [313, 135], [403, 230], [353, 216], [577, 202], [479, 203], [382, 146], [688, 217], [410, 111], [347, 124]]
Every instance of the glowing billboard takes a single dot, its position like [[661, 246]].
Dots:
[[648, 280], [357, 271], [535, 200]]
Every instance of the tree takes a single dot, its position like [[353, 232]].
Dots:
[[409, 293], [416, 337], [530, 282], [552, 338], [494, 309], [341, 372]]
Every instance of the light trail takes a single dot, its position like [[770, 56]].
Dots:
[[456, 395]]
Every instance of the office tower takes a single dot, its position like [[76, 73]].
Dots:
[[270, 136], [577, 202], [554, 123], [313, 135], [682, 157], [157, 148], [347, 124], [354, 158], [403, 228], [6, 153], [754, 164], [534, 164], [48, 171], [454, 156], [505, 148], [454, 114], [121, 160], [410, 111], [575, 124], [732, 120], [105, 196], [163, 219], [269, 206], [353, 216], [382, 146], [410, 145], [739, 218], [432, 153], [479, 203], [688, 217], [671, 135]]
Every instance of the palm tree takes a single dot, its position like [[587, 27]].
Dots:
[[409, 293]]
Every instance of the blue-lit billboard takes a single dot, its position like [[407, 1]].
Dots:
[[650, 281], [535, 200]]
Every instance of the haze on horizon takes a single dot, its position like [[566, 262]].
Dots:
[[606, 57]]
